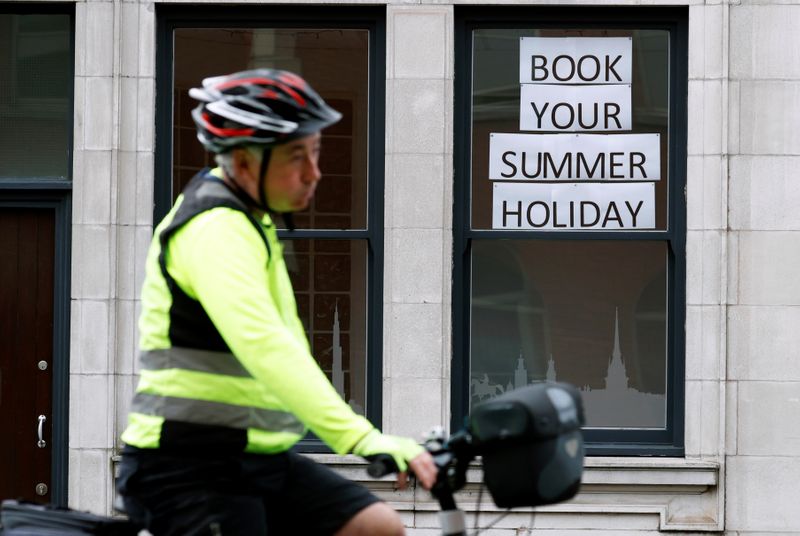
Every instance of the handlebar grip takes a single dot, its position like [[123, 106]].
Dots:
[[381, 465]]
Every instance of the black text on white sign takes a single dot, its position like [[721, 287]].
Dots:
[[587, 157], [575, 60], [553, 108], [573, 206]]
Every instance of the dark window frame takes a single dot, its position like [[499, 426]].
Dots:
[[48, 183], [54, 193], [667, 442], [371, 18]]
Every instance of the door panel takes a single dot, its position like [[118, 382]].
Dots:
[[27, 248]]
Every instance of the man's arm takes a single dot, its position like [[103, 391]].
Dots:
[[219, 259], [223, 259]]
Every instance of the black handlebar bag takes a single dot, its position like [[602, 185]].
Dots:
[[531, 443], [27, 519]]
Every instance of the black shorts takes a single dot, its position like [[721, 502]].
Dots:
[[246, 494]]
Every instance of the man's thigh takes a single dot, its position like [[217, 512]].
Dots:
[[210, 514], [184, 496], [315, 500]]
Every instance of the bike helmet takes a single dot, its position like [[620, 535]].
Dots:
[[261, 106], [264, 107]]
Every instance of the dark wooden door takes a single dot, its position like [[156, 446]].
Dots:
[[27, 250]]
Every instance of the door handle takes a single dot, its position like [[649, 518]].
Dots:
[[42, 443]]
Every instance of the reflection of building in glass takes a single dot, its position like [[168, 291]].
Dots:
[[337, 373], [551, 370], [615, 405], [618, 404], [337, 369]]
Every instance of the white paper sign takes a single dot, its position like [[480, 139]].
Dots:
[[573, 206], [545, 107], [586, 157], [575, 60]]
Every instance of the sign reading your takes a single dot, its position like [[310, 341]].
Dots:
[[574, 108]]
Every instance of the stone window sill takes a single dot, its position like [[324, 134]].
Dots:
[[665, 494]]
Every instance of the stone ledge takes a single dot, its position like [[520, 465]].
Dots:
[[667, 494]]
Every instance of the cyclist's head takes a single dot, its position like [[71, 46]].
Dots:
[[257, 110]]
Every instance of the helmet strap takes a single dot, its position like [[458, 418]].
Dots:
[[288, 219], [262, 178]]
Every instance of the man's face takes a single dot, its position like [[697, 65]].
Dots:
[[292, 174]]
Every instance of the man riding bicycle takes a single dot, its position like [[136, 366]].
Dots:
[[228, 384]]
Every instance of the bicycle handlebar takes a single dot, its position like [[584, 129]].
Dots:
[[381, 465]]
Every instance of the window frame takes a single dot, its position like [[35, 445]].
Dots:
[[54, 193], [605, 442], [49, 182], [170, 17]]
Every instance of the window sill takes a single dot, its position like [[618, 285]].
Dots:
[[665, 494]]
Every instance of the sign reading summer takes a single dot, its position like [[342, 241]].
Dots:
[[548, 157], [553, 179]]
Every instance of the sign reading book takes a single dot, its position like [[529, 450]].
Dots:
[[552, 178], [575, 60]]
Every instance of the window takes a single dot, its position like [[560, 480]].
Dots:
[[570, 213], [36, 122], [335, 254], [35, 95]]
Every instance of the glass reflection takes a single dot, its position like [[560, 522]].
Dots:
[[591, 313]]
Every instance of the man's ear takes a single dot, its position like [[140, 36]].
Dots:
[[244, 165]]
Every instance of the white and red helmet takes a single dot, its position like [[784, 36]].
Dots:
[[262, 106]]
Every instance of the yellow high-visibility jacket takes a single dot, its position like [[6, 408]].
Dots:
[[225, 363]]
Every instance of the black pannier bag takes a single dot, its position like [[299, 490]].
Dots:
[[531, 443], [27, 519]]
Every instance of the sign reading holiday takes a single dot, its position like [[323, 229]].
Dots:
[[548, 157], [574, 206], [575, 60]]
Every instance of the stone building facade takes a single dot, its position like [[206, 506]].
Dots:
[[738, 461]]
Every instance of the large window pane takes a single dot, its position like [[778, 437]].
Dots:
[[591, 313], [35, 96], [329, 280], [331, 256], [496, 101], [335, 63]]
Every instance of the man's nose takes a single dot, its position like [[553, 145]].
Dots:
[[312, 173]]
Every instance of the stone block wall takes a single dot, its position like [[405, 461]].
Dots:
[[742, 392], [763, 451]]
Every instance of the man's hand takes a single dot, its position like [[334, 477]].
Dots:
[[407, 454], [423, 468]]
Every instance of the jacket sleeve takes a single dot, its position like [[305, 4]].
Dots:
[[219, 259]]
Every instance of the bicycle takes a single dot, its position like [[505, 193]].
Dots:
[[531, 446], [529, 440]]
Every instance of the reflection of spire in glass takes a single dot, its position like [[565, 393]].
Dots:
[[617, 378], [521, 374], [337, 372], [551, 370]]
